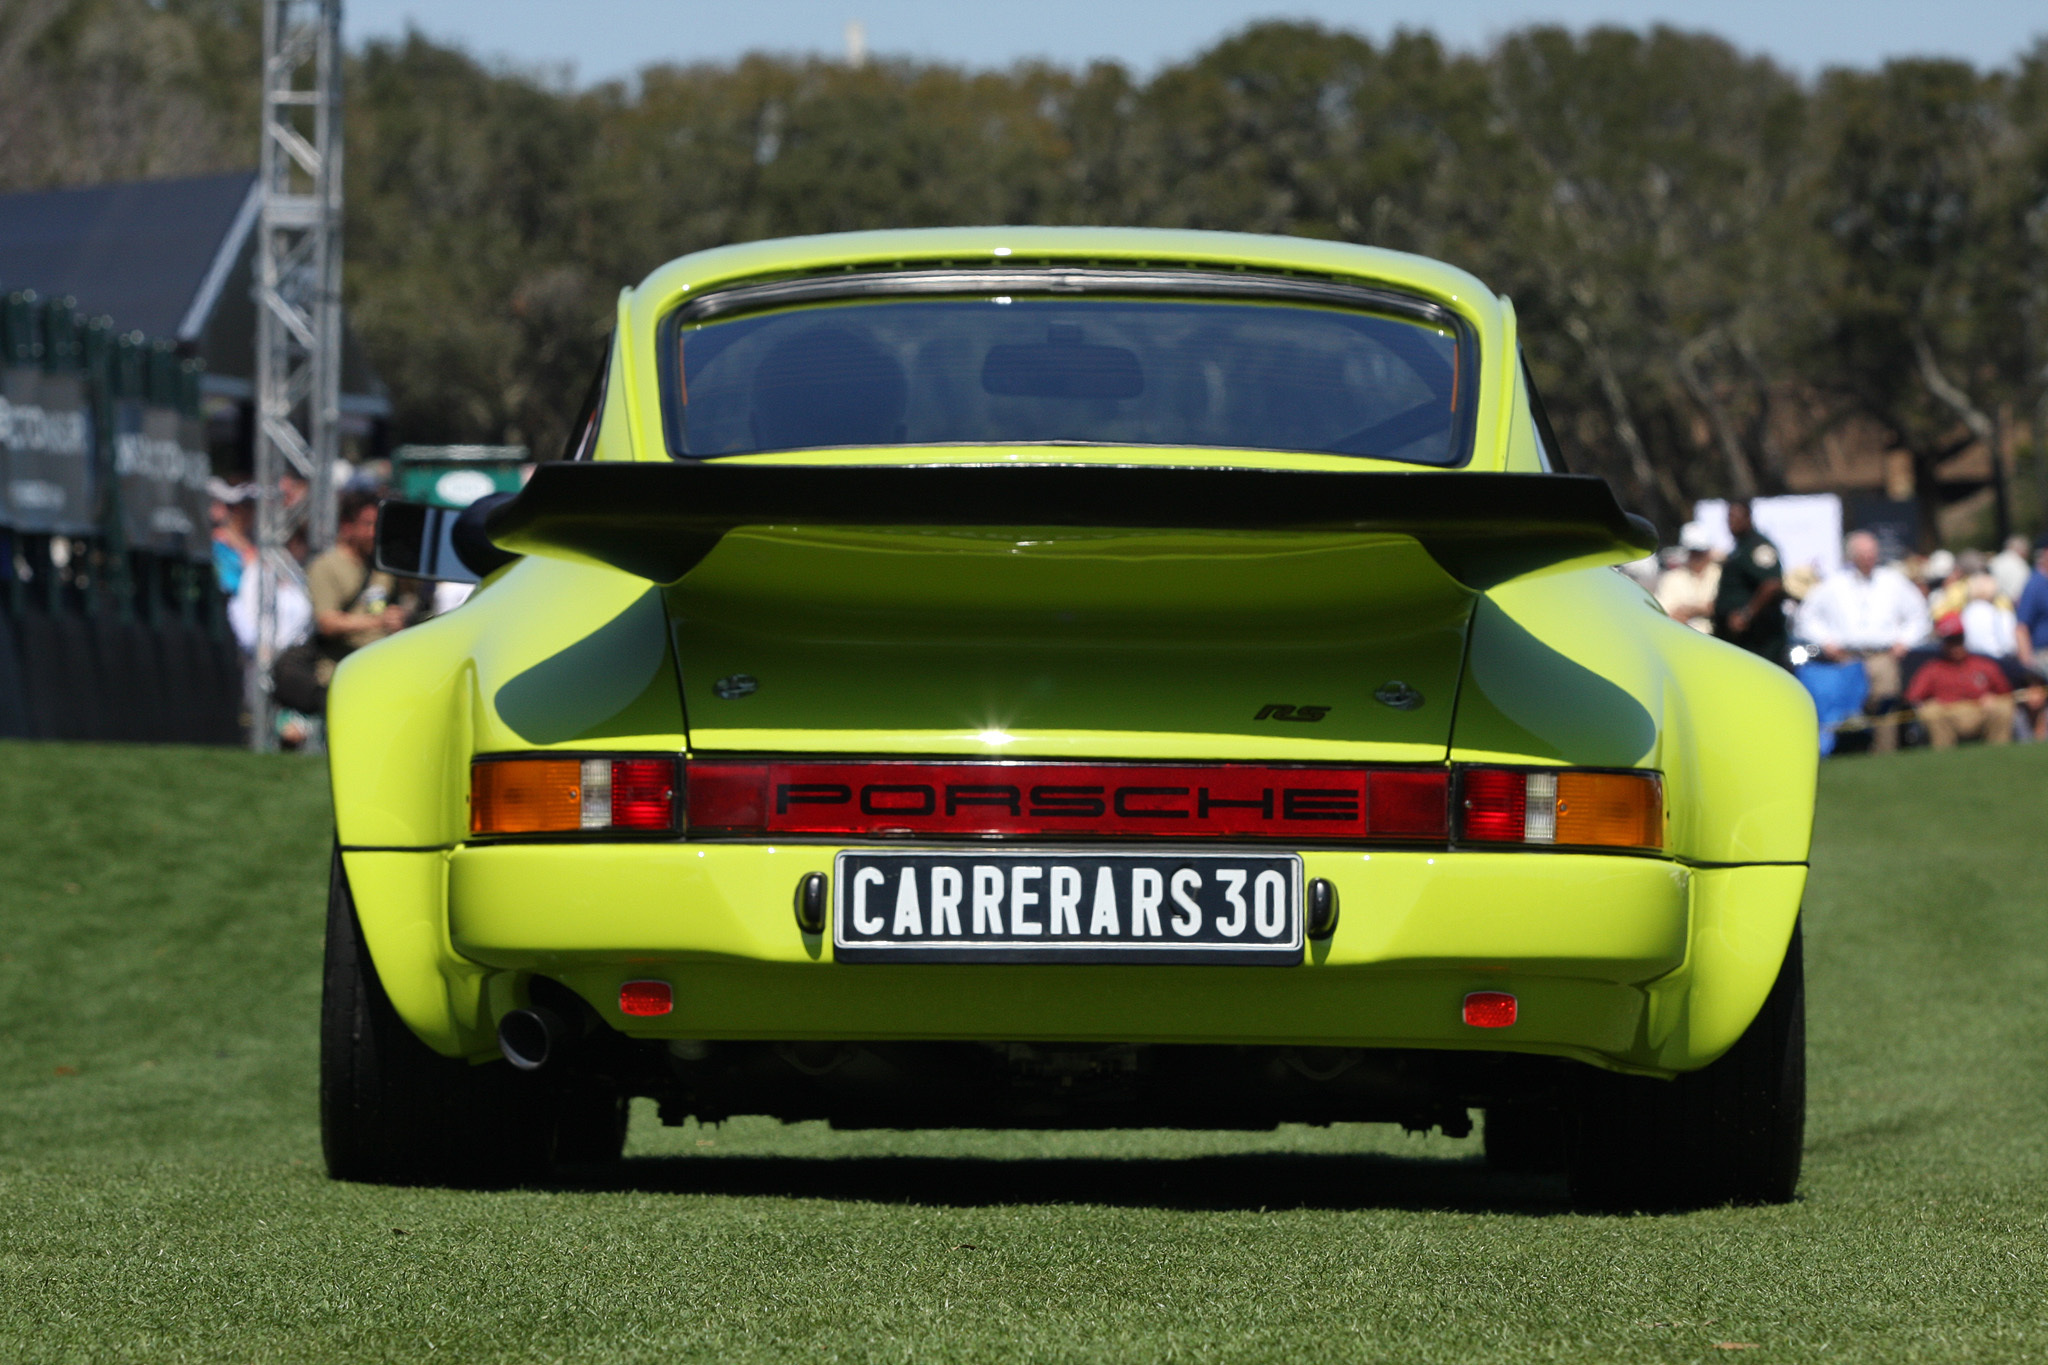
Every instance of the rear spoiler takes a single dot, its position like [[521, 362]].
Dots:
[[660, 520]]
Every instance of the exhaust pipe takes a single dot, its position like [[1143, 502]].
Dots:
[[531, 1038]]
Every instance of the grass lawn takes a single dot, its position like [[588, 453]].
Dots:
[[161, 1195]]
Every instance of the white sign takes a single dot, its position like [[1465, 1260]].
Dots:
[[461, 487], [1806, 528]]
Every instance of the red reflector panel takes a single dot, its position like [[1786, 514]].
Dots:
[[1409, 805], [892, 797], [645, 999], [1495, 803], [727, 796], [643, 793], [1489, 1009]]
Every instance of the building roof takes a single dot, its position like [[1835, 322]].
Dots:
[[169, 258], [151, 254]]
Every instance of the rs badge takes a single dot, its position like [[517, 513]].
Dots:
[[1276, 711]]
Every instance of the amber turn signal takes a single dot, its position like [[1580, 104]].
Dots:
[[1616, 810], [525, 796]]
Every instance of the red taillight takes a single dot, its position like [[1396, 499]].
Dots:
[[643, 793], [547, 795], [886, 797], [1495, 802], [646, 999], [1489, 1009], [1560, 806]]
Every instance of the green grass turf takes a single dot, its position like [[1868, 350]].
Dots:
[[161, 1196]]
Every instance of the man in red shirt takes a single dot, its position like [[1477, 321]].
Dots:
[[1961, 695]]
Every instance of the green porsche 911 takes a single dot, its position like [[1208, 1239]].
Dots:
[[1064, 678]]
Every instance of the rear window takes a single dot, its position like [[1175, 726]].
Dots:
[[1021, 369]]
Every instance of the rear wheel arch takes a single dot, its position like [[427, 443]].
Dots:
[[1745, 922], [1731, 1132], [394, 1111], [399, 901]]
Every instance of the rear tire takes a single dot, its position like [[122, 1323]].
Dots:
[[1730, 1132], [392, 1110]]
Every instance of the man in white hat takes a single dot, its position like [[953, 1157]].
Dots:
[[1686, 591]]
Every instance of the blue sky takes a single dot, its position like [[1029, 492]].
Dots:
[[591, 40]]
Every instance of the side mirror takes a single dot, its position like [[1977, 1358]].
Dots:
[[447, 544]]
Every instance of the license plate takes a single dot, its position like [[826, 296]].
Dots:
[[1028, 905]]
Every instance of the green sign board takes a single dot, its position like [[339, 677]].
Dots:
[[456, 476]]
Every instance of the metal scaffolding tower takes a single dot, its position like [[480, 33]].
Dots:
[[298, 312]]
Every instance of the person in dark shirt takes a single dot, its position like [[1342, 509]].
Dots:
[[1961, 695], [1749, 606]]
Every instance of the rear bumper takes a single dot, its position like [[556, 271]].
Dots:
[[1630, 962]]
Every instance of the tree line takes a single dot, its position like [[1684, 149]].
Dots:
[[1718, 265]]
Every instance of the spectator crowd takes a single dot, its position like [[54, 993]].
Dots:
[[1948, 646], [324, 607]]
